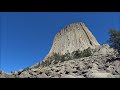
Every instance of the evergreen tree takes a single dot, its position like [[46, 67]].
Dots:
[[114, 39]]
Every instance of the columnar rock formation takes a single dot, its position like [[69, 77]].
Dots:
[[73, 37]]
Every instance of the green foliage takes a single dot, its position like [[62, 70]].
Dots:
[[67, 56], [86, 53], [76, 54], [57, 56], [46, 63], [62, 58], [114, 39], [80, 54]]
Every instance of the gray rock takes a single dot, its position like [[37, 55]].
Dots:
[[43, 75], [67, 76], [53, 74], [118, 71], [74, 74], [101, 75], [57, 69], [24, 75], [34, 69], [68, 69], [94, 66], [116, 63], [15, 73], [105, 50], [5, 75], [109, 69], [61, 72], [81, 65], [80, 76], [33, 76], [34, 73], [116, 76]]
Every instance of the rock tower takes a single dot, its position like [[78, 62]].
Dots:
[[73, 37]]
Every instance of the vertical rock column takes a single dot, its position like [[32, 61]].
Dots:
[[73, 37]]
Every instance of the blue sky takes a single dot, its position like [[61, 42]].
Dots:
[[26, 37]]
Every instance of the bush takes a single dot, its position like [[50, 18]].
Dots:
[[57, 56], [67, 56], [114, 39], [76, 54], [62, 58], [80, 54], [45, 63], [48, 61], [87, 52]]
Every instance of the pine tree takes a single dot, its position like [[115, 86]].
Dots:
[[114, 39]]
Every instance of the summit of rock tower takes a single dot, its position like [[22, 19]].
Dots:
[[73, 37]]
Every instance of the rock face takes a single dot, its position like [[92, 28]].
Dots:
[[71, 38]]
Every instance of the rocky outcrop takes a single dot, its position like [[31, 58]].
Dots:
[[4, 75], [71, 38], [99, 65]]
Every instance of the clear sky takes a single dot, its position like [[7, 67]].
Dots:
[[26, 37]]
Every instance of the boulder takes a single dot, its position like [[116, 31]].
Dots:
[[94, 66], [80, 76], [24, 75], [67, 76], [98, 74], [43, 75]]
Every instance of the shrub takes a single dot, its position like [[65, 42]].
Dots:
[[76, 54], [80, 54], [86, 53], [67, 56], [114, 39], [62, 58], [57, 56], [46, 63]]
